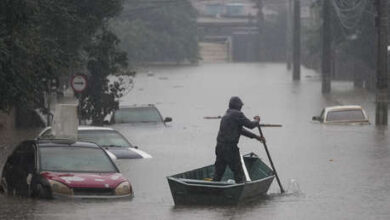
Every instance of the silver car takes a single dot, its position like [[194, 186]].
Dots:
[[137, 114], [108, 138]]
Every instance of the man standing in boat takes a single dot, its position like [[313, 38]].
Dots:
[[230, 130]]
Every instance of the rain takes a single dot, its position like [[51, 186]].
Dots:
[[152, 79]]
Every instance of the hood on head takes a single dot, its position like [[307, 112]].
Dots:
[[235, 103]]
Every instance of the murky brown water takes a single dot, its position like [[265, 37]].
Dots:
[[330, 172]]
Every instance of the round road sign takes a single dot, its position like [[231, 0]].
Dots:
[[78, 83]]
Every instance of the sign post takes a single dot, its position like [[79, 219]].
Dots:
[[79, 84], [51, 86]]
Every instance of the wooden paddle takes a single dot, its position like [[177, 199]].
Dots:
[[270, 160], [262, 125]]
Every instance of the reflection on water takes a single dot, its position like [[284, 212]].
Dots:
[[329, 171]]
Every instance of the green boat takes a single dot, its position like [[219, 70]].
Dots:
[[196, 187]]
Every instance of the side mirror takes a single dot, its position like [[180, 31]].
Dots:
[[316, 118], [167, 119]]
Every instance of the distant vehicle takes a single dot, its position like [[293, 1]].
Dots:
[[63, 168], [108, 138], [344, 114], [138, 114]]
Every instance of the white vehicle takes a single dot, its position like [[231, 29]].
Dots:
[[108, 138], [343, 114]]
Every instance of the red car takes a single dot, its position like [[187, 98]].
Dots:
[[63, 168]]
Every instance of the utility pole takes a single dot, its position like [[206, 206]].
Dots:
[[381, 74], [260, 26], [289, 34], [326, 64], [297, 41]]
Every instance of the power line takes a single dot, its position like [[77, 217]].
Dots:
[[349, 12]]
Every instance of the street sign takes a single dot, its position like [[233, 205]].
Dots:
[[78, 83]]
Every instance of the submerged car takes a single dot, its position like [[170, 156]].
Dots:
[[137, 114], [63, 168], [108, 138], [343, 114]]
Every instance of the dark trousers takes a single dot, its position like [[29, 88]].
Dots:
[[228, 155]]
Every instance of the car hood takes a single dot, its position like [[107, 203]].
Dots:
[[127, 153], [124, 153], [146, 126], [86, 180]]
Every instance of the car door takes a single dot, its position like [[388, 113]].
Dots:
[[19, 169], [10, 176]]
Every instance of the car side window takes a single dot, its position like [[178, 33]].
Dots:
[[14, 160], [347, 115], [19, 168], [27, 162], [23, 157]]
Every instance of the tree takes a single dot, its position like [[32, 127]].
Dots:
[[104, 59], [19, 54], [158, 31], [44, 39]]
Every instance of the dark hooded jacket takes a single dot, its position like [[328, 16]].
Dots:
[[232, 124]]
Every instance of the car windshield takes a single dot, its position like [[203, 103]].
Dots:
[[103, 138], [346, 115], [75, 159], [139, 114]]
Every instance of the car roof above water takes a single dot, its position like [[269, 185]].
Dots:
[[90, 128], [84, 128], [343, 107]]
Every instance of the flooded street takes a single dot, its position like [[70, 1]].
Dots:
[[328, 171]]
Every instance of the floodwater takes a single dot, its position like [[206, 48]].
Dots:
[[328, 171]]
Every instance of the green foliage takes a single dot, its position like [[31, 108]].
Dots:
[[43, 39], [18, 50], [158, 31], [104, 59]]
